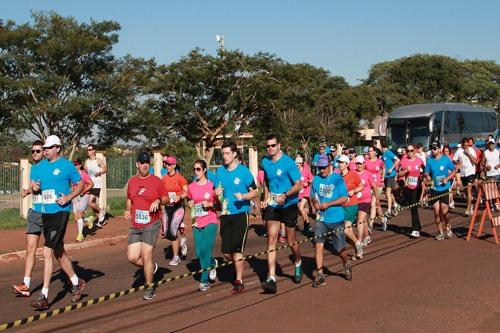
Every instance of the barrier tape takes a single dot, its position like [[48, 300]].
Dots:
[[109, 297]]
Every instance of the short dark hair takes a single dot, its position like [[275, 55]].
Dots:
[[91, 146], [230, 144], [471, 138], [465, 140], [273, 136], [37, 143], [384, 144]]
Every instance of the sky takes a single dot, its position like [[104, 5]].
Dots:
[[345, 37]]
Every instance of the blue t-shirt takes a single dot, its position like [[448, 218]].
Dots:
[[326, 189], [36, 199], [281, 176], [438, 170], [389, 158], [238, 180], [55, 178]]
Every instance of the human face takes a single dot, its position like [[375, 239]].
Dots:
[[435, 151], [90, 151], [491, 146], [410, 151], [228, 156], [343, 166], [360, 166], [321, 150], [198, 171], [465, 144], [142, 168], [52, 152], [37, 153], [299, 165], [323, 171], [371, 153], [272, 147]]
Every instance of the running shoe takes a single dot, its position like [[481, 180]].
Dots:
[[155, 268], [184, 248], [40, 302], [439, 237], [212, 274], [359, 250], [367, 240], [452, 205], [319, 280], [175, 261], [370, 228], [77, 291], [269, 286], [80, 237], [282, 238], [384, 223], [149, 294], [90, 222], [238, 287], [101, 224], [415, 234], [102, 216], [204, 286], [298, 274], [467, 213], [21, 290], [449, 233], [348, 271]]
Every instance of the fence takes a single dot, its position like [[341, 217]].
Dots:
[[10, 198]]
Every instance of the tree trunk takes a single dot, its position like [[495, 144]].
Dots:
[[74, 143], [209, 153]]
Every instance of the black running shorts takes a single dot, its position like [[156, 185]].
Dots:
[[233, 232], [54, 229], [287, 215]]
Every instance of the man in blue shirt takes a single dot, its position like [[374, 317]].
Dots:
[[53, 177], [329, 192], [439, 171], [235, 188], [391, 163], [281, 187]]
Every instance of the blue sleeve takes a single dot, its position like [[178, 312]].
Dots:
[[340, 186], [249, 180], [313, 188], [315, 159], [34, 173], [391, 155], [293, 172]]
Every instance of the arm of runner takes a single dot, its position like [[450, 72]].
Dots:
[[128, 208], [295, 189], [64, 199], [103, 167], [396, 164], [88, 185], [357, 189], [337, 202], [263, 203]]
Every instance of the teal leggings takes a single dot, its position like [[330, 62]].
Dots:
[[204, 241]]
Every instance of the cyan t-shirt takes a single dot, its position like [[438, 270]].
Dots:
[[238, 180], [438, 170], [36, 199], [326, 189], [281, 175], [389, 158], [55, 180]]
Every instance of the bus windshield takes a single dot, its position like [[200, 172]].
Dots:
[[418, 131]]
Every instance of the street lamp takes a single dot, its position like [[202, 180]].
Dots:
[[220, 40]]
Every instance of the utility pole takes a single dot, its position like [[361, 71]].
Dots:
[[220, 40]]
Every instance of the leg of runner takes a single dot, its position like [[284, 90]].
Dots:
[[389, 196], [437, 219], [412, 197], [444, 217], [204, 239], [23, 288], [282, 236], [361, 227], [290, 233], [303, 214], [273, 229]]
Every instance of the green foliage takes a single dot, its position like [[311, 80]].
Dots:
[[10, 219]]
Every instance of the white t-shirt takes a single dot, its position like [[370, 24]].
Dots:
[[466, 166], [422, 156], [492, 159], [92, 167]]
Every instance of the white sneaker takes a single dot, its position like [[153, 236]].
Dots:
[[452, 204], [212, 274], [184, 248], [359, 250], [415, 234], [204, 286], [175, 261], [367, 240], [384, 223], [102, 215]]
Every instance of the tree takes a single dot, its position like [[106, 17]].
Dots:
[[59, 77]]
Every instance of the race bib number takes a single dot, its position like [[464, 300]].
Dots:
[[326, 191], [272, 199], [438, 181], [37, 199], [171, 196], [199, 210], [359, 195], [49, 197], [142, 216], [412, 181]]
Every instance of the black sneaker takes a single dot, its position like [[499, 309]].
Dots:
[[319, 280], [77, 291], [269, 286], [40, 302], [348, 272], [238, 287], [149, 294]]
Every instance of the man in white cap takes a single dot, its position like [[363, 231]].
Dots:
[[55, 174]]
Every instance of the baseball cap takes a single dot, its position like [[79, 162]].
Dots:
[[322, 145], [359, 159], [352, 151], [399, 150], [77, 161], [143, 157], [323, 161], [171, 160], [490, 141], [434, 145], [343, 158], [52, 140], [299, 159]]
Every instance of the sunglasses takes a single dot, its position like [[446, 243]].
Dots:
[[47, 148], [435, 148], [410, 150], [197, 169], [143, 162], [36, 151], [359, 163], [322, 167], [169, 164], [272, 145], [90, 149]]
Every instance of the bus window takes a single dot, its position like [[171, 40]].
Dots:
[[418, 130], [436, 126], [397, 133], [469, 122]]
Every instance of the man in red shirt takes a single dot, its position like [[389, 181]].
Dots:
[[145, 194]]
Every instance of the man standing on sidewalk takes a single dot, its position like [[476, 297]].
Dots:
[[53, 177], [35, 226], [96, 167]]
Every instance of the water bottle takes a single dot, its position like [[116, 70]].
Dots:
[[221, 196]]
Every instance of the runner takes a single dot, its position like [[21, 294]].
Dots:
[[235, 188], [304, 193], [439, 172], [352, 159], [375, 166], [201, 197], [145, 194], [80, 202], [35, 226], [176, 186], [354, 186], [411, 169], [329, 193], [391, 163], [96, 167], [466, 157], [281, 196], [53, 176], [491, 165], [364, 200], [446, 151]]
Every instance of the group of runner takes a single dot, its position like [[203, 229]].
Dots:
[[344, 189]]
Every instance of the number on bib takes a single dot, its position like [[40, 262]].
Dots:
[[199, 210], [326, 191], [49, 197], [412, 181], [142, 217]]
